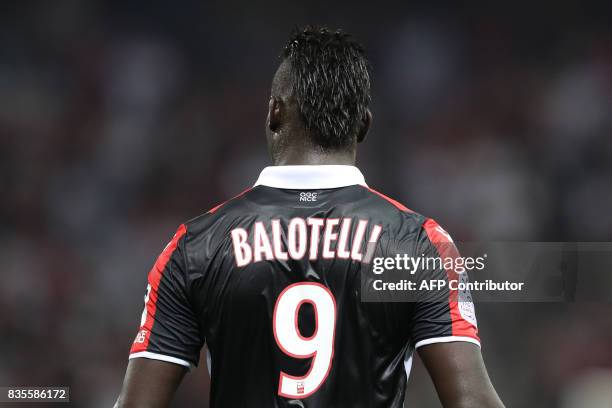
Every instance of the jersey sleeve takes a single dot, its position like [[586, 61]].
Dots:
[[169, 330], [447, 315]]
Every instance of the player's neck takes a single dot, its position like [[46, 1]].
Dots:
[[297, 157]]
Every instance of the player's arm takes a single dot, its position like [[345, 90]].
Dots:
[[459, 375], [169, 339], [149, 383], [445, 331]]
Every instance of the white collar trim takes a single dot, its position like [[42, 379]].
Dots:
[[310, 176]]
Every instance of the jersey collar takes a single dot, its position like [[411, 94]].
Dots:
[[310, 176]]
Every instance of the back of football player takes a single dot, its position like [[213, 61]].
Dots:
[[271, 280]]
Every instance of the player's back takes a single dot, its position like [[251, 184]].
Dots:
[[272, 282]]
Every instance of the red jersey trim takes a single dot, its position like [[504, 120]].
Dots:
[[215, 208], [445, 247], [396, 203], [155, 275]]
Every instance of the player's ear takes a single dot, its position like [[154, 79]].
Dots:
[[274, 114], [365, 126]]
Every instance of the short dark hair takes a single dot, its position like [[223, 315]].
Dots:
[[331, 82]]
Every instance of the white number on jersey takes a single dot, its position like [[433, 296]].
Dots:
[[319, 346]]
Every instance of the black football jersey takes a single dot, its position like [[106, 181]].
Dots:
[[271, 282]]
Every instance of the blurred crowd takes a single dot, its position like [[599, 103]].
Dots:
[[120, 120]]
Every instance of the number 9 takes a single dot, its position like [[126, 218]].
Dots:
[[320, 345]]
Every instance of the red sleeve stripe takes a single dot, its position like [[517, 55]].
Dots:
[[155, 275], [215, 208], [441, 240], [389, 199]]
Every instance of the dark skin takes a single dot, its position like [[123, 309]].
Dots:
[[456, 369]]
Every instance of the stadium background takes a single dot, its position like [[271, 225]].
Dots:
[[120, 120]]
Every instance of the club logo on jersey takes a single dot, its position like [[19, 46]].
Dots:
[[308, 196], [300, 387], [328, 238], [141, 336]]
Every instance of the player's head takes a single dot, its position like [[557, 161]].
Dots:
[[320, 94]]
